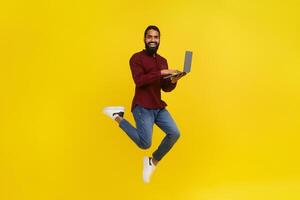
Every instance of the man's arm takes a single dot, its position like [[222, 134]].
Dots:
[[142, 79], [139, 77], [167, 85]]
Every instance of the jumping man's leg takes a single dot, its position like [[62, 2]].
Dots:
[[144, 118], [141, 135], [165, 122]]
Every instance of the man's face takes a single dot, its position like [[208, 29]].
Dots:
[[151, 41]]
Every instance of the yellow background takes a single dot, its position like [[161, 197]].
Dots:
[[238, 110]]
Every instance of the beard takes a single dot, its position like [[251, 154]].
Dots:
[[151, 50]]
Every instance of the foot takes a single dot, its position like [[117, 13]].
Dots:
[[148, 169], [114, 111]]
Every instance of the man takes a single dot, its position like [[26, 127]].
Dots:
[[148, 69]]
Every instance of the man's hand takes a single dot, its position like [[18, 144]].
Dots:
[[174, 79], [167, 71]]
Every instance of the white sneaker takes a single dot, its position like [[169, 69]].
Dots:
[[114, 111], [148, 169]]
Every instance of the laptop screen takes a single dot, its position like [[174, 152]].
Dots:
[[187, 61]]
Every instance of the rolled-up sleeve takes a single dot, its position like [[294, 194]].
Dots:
[[167, 85]]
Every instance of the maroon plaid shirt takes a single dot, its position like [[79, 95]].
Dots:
[[148, 80]]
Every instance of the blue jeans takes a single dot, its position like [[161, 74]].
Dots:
[[142, 134]]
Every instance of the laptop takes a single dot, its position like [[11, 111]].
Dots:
[[186, 67]]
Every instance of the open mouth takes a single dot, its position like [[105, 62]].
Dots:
[[152, 44]]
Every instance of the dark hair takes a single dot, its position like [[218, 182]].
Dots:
[[151, 27]]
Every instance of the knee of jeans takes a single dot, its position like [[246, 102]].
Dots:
[[176, 135]]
